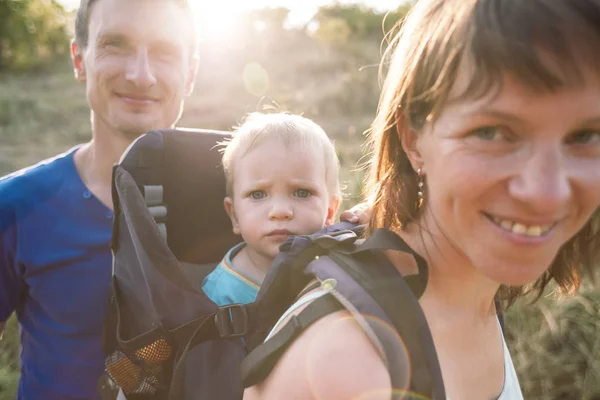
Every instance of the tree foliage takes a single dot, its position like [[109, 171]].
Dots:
[[32, 33], [356, 21]]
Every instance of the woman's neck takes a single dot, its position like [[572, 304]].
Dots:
[[454, 286]]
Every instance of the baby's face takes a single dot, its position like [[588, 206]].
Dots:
[[280, 191]]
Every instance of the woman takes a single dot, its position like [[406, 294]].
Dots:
[[486, 162]]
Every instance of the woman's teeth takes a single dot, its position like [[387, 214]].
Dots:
[[521, 229]]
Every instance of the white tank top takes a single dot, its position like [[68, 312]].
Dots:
[[510, 391]]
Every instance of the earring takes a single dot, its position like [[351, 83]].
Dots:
[[421, 186]]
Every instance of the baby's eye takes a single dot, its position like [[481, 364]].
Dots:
[[302, 193], [257, 195]]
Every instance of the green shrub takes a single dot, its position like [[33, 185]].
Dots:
[[32, 34]]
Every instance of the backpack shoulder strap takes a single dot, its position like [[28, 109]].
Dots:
[[259, 363], [286, 278], [366, 284]]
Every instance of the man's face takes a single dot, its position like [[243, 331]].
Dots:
[[138, 64]]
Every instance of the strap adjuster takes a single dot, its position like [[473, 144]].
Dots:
[[232, 320]]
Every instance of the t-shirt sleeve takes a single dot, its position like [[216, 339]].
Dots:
[[10, 280]]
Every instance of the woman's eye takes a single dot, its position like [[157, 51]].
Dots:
[[585, 137], [489, 133], [257, 195], [302, 193]]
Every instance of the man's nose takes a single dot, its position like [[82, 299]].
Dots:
[[139, 69]]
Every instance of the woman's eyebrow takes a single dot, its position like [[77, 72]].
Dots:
[[496, 113]]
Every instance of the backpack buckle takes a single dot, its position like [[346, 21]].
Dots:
[[232, 320]]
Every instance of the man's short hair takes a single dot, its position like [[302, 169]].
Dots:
[[82, 21]]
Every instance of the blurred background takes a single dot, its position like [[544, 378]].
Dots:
[[314, 57]]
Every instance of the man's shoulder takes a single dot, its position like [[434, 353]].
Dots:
[[33, 181]]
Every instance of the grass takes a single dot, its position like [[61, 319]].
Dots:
[[9, 361], [555, 343]]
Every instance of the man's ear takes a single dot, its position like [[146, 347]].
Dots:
[[410, 141], [77, 59], [228, 203], [192, 74], [332, 209]]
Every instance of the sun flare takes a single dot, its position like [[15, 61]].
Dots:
[[217, 20]]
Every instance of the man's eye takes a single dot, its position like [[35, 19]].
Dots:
[[114, 43], [167, 52], [257, 195], [302, 193]]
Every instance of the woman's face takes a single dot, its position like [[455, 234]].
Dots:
[[511, 178]]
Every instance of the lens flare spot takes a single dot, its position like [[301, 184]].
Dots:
[[256, 79]]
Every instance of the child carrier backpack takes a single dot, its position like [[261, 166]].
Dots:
[[358, 278], [165, 339], [170, 230]]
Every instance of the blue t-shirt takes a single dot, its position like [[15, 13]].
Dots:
[[227, 285], [55, 271]]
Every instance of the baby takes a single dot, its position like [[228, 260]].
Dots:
[[282, 175]]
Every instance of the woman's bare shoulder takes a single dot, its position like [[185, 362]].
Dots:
[[332, 359]]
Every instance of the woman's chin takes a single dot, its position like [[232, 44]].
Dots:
[[515, 275]]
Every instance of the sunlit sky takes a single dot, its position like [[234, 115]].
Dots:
[[295, 5], [218, 17], [301, 10]]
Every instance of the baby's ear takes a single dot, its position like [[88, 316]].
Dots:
[[332, 209], [228, 203]]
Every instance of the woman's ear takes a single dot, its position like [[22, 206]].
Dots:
[[228, 203], [410, 141]]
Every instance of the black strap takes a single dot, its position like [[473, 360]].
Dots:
[[384, 239], [263, 358], [259, 363], [226, 322], [391, 292]]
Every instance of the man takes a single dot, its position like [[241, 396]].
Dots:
[[137, 61]]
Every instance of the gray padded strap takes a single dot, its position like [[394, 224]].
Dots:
[[158, 212], [163, 230], [153, 194]]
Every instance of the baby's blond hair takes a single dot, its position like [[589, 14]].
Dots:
[[290, 129]]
